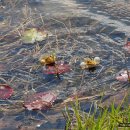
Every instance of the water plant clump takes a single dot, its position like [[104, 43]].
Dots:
[[112, 118]]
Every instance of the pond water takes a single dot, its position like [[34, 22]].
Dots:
[[79, 29]]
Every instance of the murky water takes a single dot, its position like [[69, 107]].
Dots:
[[79, 28]]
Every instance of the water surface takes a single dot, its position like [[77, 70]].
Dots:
[[79, 28]]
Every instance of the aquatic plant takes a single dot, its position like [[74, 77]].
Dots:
[[113, 118]]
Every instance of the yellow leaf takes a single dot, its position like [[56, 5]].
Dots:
[[90, 63], [33, 34], [47, 59]]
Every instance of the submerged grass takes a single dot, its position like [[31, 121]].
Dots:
[[112, 118]]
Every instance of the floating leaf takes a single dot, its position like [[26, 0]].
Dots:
[[32, 35], [122, 76], [48, 60], [90, 63], [42, 100], [57, 69], [5, 91]]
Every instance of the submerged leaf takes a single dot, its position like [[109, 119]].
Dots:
[[32, 35], [42, 100], [5, 91], [29, 36], [122, 76]]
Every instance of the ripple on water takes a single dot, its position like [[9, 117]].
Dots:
[[85, 36]]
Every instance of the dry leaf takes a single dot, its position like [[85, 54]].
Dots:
[[42, 100], [90, 63], [48, 59], [5, 91]]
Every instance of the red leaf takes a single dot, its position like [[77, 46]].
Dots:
[[5, 91], [58, 69], [39, 101], [128, 43], [127, 46]]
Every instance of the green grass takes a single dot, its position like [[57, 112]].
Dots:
[[106, 119]]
